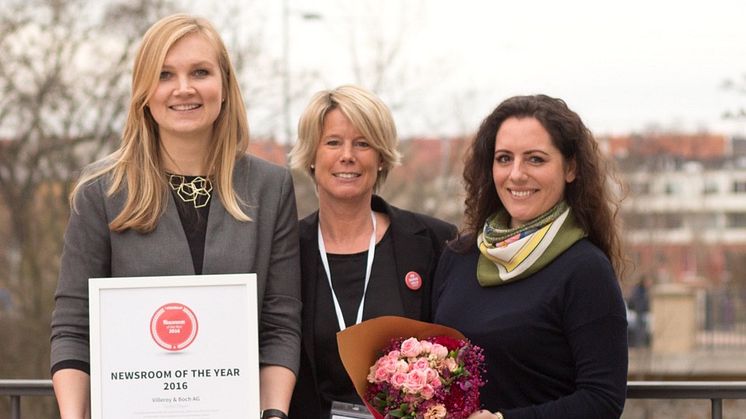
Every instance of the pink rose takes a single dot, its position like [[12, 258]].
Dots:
[[427, 392], [439, 351], [398, 380], [421, 364], [411, 348], [402, 366], [388, 365], [381, 375], [416, 379], [432, 375], [427, 346]]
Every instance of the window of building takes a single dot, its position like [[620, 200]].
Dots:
[[711, 188], [653, 221], [739, 186], [736, 219], [637, 221], [702, 221], [639, 188], [669, 221]]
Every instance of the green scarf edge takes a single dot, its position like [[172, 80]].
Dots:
[[489, 276]]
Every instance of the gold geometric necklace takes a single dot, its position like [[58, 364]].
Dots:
[[197, 191]]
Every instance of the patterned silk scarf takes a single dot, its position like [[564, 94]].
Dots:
[[510, 254]]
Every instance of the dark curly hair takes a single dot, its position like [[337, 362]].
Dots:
[[594, 204]]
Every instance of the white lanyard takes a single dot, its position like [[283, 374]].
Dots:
[[368, 266]]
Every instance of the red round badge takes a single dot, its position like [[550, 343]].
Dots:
[[413, 280], [173, 326]]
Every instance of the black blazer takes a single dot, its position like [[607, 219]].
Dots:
[[418, 241]]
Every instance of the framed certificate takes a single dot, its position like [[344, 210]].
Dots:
[[174, 347]]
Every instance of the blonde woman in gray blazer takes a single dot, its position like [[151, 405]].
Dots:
[[180, 196]]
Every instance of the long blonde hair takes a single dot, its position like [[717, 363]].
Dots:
[[136, 166]]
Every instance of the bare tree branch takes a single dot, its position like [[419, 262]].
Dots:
[[64, 86], [737, 86]]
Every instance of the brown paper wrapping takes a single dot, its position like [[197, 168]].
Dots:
[[361, 345]]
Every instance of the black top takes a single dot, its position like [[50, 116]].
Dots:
[[348, 277], [416, 243], [555, 343], [194, 222]]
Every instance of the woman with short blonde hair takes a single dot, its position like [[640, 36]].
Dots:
[[360, 257], [364, 110]]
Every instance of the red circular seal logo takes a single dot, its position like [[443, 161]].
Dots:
[[413, 280], [173, 326]]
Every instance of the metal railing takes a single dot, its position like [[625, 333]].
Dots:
[[715, 391], [19, 388], [722, 319]]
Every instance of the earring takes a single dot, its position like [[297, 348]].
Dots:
[[380, 168], [313, 167]]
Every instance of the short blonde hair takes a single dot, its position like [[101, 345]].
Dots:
[[367, 113], [137, 164]]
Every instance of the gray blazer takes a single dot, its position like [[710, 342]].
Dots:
[[267, 246]]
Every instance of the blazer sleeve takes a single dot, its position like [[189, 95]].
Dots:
[[279, 332], [86, 254]]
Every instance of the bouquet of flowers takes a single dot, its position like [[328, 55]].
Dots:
[[432, 373]]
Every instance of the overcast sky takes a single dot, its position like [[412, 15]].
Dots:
[[623, 66]]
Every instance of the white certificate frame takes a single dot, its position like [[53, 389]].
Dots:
[[226, 306]]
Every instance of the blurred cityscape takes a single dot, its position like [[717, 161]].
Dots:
[[684, 217], [684, 224]]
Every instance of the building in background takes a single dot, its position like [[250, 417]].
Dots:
[[685, 212]]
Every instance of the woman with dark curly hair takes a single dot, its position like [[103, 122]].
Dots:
[[532, 279]]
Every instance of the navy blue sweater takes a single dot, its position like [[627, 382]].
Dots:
[[555, 343]]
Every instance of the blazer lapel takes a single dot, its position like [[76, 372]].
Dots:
[[408, 234], [216, 236], [309, 260], [406, 238], [170, 232], [230, 244]]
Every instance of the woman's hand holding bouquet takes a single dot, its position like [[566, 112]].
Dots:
[[432, 374]]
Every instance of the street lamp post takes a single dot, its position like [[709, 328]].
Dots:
[[286, 92], [286, 70]]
